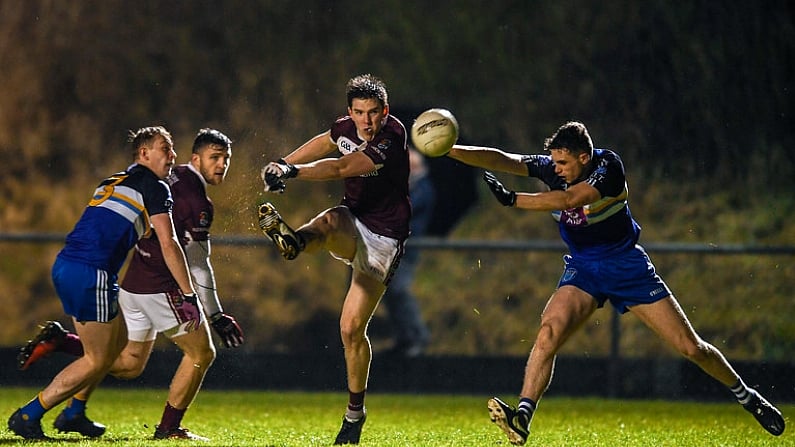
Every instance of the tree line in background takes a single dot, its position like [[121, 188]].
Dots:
[[686, 90], [696, 96]]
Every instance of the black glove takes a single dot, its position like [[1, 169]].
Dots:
[[274, 174], [504, 195], [227, 328], [273, 183], [288, 170]]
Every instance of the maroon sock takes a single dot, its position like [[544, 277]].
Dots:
[[356, 400], [71, 345], [171, 419]]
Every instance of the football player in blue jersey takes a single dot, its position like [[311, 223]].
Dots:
[[126, 207], [587, 196]]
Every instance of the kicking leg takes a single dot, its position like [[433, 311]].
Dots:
[[287, 241]]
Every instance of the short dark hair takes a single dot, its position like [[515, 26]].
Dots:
[[145, 136], [207, 136], [366, 86], [572, 136]]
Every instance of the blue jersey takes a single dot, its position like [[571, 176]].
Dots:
[[598, 229], [116, 218]]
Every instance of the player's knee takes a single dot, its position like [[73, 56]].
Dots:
[[332, 220], [351, 332], [696, 351], [208, 356], [98, 361], [127, 368], [323, 223], [548, 337], [347, 336], [203, 358]]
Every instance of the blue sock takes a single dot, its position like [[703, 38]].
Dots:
[[75, 407], [34, 409]]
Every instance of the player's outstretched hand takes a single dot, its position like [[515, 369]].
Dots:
[[274, 174], [227, 328], [503, 194], [281, 169], [272, 182]]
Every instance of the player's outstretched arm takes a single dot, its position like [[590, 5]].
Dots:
[[316, 148], [489, 158], [578, 195], [275, 173], [350, 165]]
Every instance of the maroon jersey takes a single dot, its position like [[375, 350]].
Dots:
[[192, 215], [379, 199]]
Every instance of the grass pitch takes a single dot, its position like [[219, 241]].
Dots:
[[263, 419]]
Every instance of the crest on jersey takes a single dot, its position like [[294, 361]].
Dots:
[[382, 146], [204, 220], [569, 274]]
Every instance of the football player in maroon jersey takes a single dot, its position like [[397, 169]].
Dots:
[[367, 230]]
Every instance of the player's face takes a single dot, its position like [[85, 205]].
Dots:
[[568, 166], [369, 116], [212, 162], [159, 157]]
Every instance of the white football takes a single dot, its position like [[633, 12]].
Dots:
[[434, 132]]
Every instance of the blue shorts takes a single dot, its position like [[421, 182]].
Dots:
[[625, 279], [87, 293]]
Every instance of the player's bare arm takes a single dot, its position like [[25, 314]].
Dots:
[[489, 158], [350, 165], [575, 196], [316, 148], [172, 252]]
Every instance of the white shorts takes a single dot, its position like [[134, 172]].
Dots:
[[376, 255], [148, 314]]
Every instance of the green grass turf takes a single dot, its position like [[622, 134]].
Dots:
[[256, 418]]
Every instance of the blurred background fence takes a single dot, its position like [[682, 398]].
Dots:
[[480, 297], [478, 347]]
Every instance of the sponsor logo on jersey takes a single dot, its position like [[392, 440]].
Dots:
[[574, 217], [657, 291], [347, 146]]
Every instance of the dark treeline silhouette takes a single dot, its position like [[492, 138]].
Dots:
[[687, 89]]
